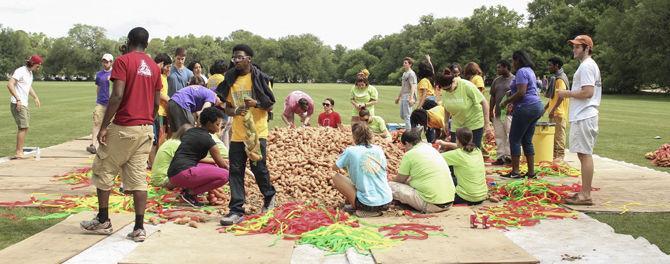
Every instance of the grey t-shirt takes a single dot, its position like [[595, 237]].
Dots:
[[178, 79], [499, 87], [408, 78]]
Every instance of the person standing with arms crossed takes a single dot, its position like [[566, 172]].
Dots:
[[585, 93], [125, 144], [407, 94], [20, 86]]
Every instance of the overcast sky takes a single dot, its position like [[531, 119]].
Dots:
[[347, 22]]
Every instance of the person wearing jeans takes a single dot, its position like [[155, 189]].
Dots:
[[527, 109], [407, 94]]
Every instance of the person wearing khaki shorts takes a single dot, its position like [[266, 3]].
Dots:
[[423, 180], [128, 156], [20, 87], [102, 99], [125, 144]]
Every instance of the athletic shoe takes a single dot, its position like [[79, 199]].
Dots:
[[95, 226], [268, 205], [138, 235], [498, 162], [190, 199], [512, 175], [91, 149], [348, 209], [231, 219]]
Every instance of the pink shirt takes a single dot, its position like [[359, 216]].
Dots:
[[291, 105]]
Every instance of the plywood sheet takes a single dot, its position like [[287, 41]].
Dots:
[[183, 244], [59, 242], [463, 244]]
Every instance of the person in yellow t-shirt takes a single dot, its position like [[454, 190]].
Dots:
[[431, 120], [473, 73], [246, 91], [425, 85], [216, 72], [164, 62], [557, 106]]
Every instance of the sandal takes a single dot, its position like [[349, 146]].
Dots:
[[577, 201]]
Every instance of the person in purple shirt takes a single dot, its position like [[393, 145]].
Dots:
[[187, 102], [299, 103], [526, 108], [102, 84]]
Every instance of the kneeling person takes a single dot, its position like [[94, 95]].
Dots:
[[367, 188], [469, 168], [185, 171], [423, 180]]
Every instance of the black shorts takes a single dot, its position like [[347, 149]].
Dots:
[[363, 207], [459, 200]]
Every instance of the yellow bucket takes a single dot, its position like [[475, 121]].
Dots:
[[543, 141]]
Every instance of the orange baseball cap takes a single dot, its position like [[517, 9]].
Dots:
[[582, 39]]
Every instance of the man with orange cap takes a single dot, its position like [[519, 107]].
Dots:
[[20, 86], [585, 93]]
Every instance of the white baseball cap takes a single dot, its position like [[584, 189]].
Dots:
[[108, 57]]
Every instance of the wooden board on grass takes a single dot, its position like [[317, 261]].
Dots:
[[59, 242], [182, 244], [462, 244]]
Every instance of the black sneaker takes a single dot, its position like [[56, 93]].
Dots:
[[512, 175], [190, 199], [498, 162], [268, 205], [530, 176], [231, 219], [507, 160]]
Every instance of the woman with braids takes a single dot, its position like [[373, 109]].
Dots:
[[468, 168], [363, 95], [474, 74], [366, 189]]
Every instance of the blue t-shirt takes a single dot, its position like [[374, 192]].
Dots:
[[102, 81], [178, 79], [193, 97], [367, 170], [525, 75]]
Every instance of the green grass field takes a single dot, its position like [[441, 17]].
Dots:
[[628, 125]]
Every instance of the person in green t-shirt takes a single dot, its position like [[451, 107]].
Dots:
[[465, 105], [375, 123], [469, 168], [363, 96], [423, 180], [164, 156]]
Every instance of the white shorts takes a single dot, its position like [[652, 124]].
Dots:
[[583, 135]]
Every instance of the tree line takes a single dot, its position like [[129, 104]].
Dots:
[[631, 38]]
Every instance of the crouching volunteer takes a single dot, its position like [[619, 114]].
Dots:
[[431, 118], [298, 103], [469, 168], [423, 180], [188, 101], [186, 172], [376, 124], [366, 189]]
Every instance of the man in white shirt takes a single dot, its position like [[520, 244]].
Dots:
[[586, 92], [20, 86]]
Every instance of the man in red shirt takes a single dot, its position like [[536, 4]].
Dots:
[[125, 144], [329, 118]]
